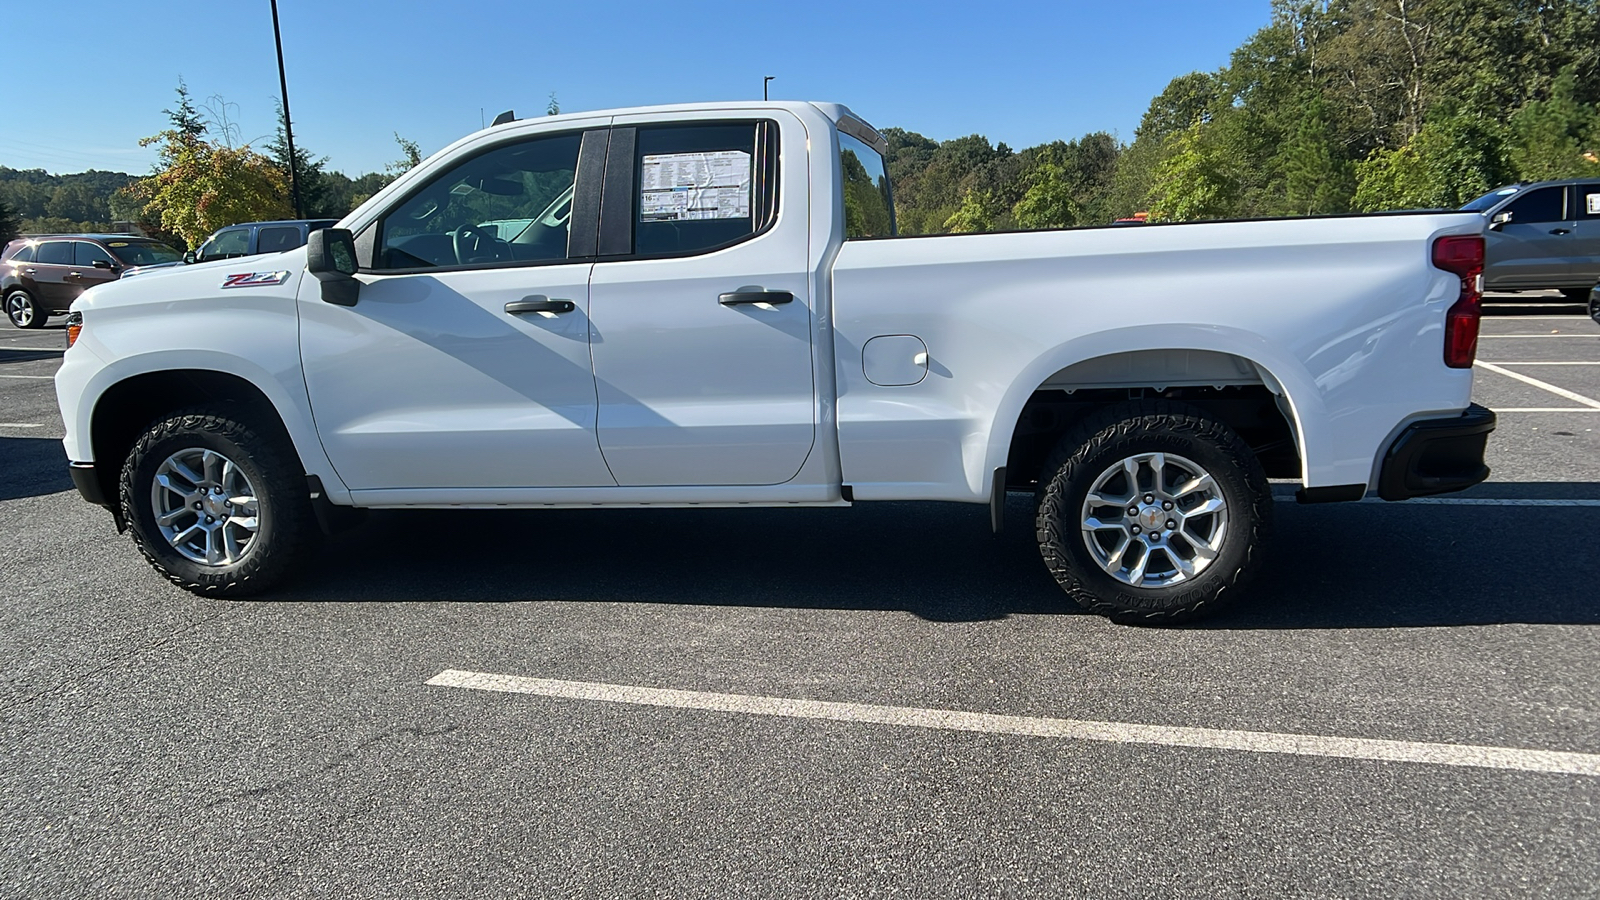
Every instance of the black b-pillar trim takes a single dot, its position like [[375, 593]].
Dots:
[[616, 203], [582, 242]]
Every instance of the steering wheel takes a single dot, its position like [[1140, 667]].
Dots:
[[481, 239]]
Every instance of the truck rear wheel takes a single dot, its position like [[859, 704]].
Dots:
[[218, 506], [1153, 513]]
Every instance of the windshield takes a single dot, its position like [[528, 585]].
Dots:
[[143, 253], [1491, 198]]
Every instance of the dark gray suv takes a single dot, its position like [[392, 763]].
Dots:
[[1543, 236]]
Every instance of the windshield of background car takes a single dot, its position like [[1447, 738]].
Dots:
[[1490, 199], [868, 203], [454, 220], [142, 253]]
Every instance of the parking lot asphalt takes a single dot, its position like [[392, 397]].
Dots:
[[156, 743]]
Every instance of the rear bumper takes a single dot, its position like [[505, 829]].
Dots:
[[1437, 456]]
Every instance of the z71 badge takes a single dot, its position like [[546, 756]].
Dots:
[[255, 279]]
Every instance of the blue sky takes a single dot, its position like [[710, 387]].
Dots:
[[1018, 72]]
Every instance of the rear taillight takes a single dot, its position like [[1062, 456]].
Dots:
[[74, 327], [1462, 255]]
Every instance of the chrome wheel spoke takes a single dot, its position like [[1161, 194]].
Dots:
[[205, 507], [1202, 483], [1171, 548]]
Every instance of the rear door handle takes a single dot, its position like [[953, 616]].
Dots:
[[539, 303], [74, 274], [1561, 231], [740, 298]]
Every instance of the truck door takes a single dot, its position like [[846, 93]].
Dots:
[[465, 361], [702, 303], [1586, 258], [52, 260], [1531, 250], [84, 273]]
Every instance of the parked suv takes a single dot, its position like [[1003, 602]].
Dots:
[[1543, 236], [40, 276], [250, 238]]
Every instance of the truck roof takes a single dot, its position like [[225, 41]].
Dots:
[[836, 112]]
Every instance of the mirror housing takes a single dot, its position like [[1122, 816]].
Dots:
[[331, 257], [1499, 221], [188, 257], [102, 264]]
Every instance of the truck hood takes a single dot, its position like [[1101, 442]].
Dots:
[[199, 281]]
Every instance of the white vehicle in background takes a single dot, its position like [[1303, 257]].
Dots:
[[709, 308]]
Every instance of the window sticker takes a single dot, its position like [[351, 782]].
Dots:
[[1594, 204], [678, 186]]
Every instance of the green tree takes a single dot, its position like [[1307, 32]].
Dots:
[[1048, 201], [316, 195], [10, 223], [1450, 161], [1551, 137], [976, 214], [199, 186], [410, 157], [1193, 181], [1317, 177]]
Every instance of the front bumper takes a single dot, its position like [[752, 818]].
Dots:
[[87, 481], [1437, 456]]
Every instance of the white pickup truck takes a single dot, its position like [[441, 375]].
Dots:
[[708, 306]]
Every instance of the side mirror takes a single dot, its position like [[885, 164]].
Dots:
[[188, 257], [102, 264], [331, 257], [1499, 221]]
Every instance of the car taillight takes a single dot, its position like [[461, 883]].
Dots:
[[74, 327], [1462, 255]]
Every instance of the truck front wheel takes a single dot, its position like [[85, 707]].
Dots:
[[217, 505], [1152, 513]]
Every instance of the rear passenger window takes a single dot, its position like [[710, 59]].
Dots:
[[23, 255], [55, 253], [1543, 205], [1588, 201], [278, 239], [86, 254], [699, 187]]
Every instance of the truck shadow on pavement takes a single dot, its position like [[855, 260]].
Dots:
[[32, 467], [1335, 566]]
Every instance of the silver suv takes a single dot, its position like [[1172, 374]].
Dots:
[[1543, 236]]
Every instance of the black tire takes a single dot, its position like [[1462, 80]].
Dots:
[[1594, 307], [1576, 295], [25, 312], [286, 525], [1122, 432]]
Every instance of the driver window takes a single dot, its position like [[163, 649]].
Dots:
[[511, 204]]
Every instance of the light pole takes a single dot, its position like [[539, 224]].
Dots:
[[763, 81], [288, 131]]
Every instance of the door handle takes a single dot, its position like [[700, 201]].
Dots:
[[539, 303], [28, 271], [742, 298], [1561, 231], [74, 274]]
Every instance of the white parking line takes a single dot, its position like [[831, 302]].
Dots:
[[1589, 336], [1543, 385], [43, 377], [1595, 363], [1462, 501], [1555, 409], [1466, 755], [19, 425]]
